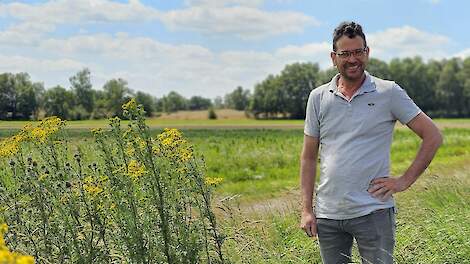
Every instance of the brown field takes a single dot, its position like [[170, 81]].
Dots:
[[203, 115]]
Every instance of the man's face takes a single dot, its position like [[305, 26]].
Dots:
[[351, 57]]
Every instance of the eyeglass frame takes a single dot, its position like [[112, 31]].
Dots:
[[357, 53]]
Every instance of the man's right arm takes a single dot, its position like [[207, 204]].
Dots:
[[308, 168]]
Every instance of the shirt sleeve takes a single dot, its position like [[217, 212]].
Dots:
[[402, 106], [312, 123]]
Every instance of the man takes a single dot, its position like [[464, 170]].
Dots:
[[349, 123]]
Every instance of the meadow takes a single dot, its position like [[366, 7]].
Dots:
[[257, 202]]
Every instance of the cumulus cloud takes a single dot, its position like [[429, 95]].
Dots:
[[151, 65], [79, 11], [463, 54], [34, 21], [240, 18], [407, 41], [244, 22], [156, 67], [222, 3], [52, 72], [316, 52]]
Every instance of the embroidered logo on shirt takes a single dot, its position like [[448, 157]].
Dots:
[[370, 104]]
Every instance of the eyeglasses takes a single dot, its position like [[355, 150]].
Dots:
[[347, 53]]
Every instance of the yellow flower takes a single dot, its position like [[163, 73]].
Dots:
[[131, 105], [92, 189], [213, 181], [171, 138], [186, 154], [44, 129], [141, 142], [7, 257], [39, 134], [42, 177], [135, 170], [9, 147], [97, 131]]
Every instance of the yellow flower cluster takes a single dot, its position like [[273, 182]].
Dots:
[[213, 181], [45, 129], [135, 170], [7, 257], [171, 138], [91, 187], [10, 146], [131, 105], [173, 143]]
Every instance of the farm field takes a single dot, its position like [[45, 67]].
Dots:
[[257, 201], [227, 118]]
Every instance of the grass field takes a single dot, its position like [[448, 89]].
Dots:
[[258, 200]]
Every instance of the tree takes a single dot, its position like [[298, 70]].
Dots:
[[58, 102], [7, 91], [199, 103], [411, 75], [116, 93], [238, 99], [450, 89], [298, 80], [83, 90], [268, 98], [100, 110], [174, 102], [17, 96], [464, 77], [378, 68], [148, 102], [219, 102]]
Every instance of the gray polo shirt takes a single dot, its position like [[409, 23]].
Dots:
[[355, 138]]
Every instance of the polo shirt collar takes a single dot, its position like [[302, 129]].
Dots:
[[367, 86]]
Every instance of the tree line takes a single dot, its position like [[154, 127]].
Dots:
[[441, 88]]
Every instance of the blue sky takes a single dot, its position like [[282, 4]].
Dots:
[[209, 47]]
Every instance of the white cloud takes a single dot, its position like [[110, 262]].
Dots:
[[312, 52], [26, 33], [51, 72], [240, 18], [223, 3], [463, 54], [407, 41], [79, 11], [240, 21], [34, 21], [156, 67]]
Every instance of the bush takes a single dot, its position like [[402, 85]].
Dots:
[[212, 114]]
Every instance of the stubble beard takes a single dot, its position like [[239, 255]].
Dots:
[[358, 73]]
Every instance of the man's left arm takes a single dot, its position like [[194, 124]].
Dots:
[[425, 128]]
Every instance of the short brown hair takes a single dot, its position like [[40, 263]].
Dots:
[[349, 29]]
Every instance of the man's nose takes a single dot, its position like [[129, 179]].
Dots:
[[352, 59]]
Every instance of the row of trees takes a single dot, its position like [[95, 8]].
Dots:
[[20, 98], [440, 88]]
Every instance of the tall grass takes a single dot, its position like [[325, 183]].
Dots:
[[260, 167]]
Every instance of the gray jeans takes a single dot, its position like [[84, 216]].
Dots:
[[374, 234]]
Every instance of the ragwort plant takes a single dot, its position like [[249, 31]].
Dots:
[[135, 199]]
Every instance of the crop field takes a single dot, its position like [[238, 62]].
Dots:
[[256, 198]]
